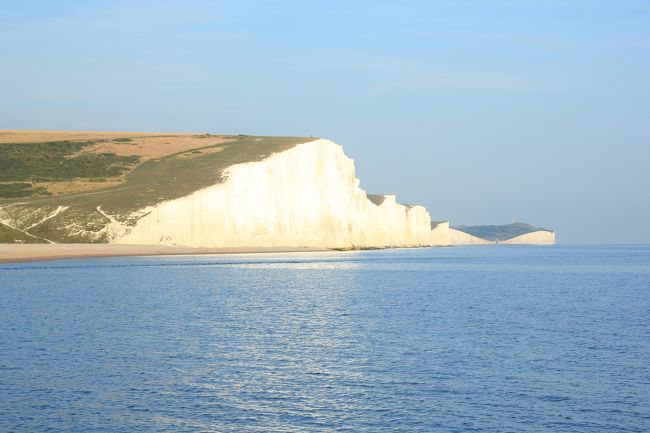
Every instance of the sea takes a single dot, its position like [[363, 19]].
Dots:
[[461, 339]]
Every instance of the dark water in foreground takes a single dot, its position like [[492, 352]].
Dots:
[[450, 339]]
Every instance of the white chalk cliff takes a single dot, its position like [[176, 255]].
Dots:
[[440, 235], [458, 237], [305, 196], [539, 237]]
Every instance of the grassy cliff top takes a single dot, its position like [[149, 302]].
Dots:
[[499, 232], [121, 170]]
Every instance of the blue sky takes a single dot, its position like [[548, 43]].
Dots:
[[483, 111]]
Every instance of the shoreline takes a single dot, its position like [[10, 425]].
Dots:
[[21, 253]]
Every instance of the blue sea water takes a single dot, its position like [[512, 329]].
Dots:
[[471, 339]]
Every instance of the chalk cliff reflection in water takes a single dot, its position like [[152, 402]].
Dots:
[[449, 339]]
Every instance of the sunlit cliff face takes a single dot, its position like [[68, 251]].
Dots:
[[306, 196]]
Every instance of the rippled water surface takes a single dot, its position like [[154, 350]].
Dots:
[[521, 339]]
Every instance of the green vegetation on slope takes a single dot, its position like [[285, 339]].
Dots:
[[20, 189], [499, 233], [9, 235], [57, 161]]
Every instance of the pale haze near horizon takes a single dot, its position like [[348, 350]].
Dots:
[[483, 111]]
